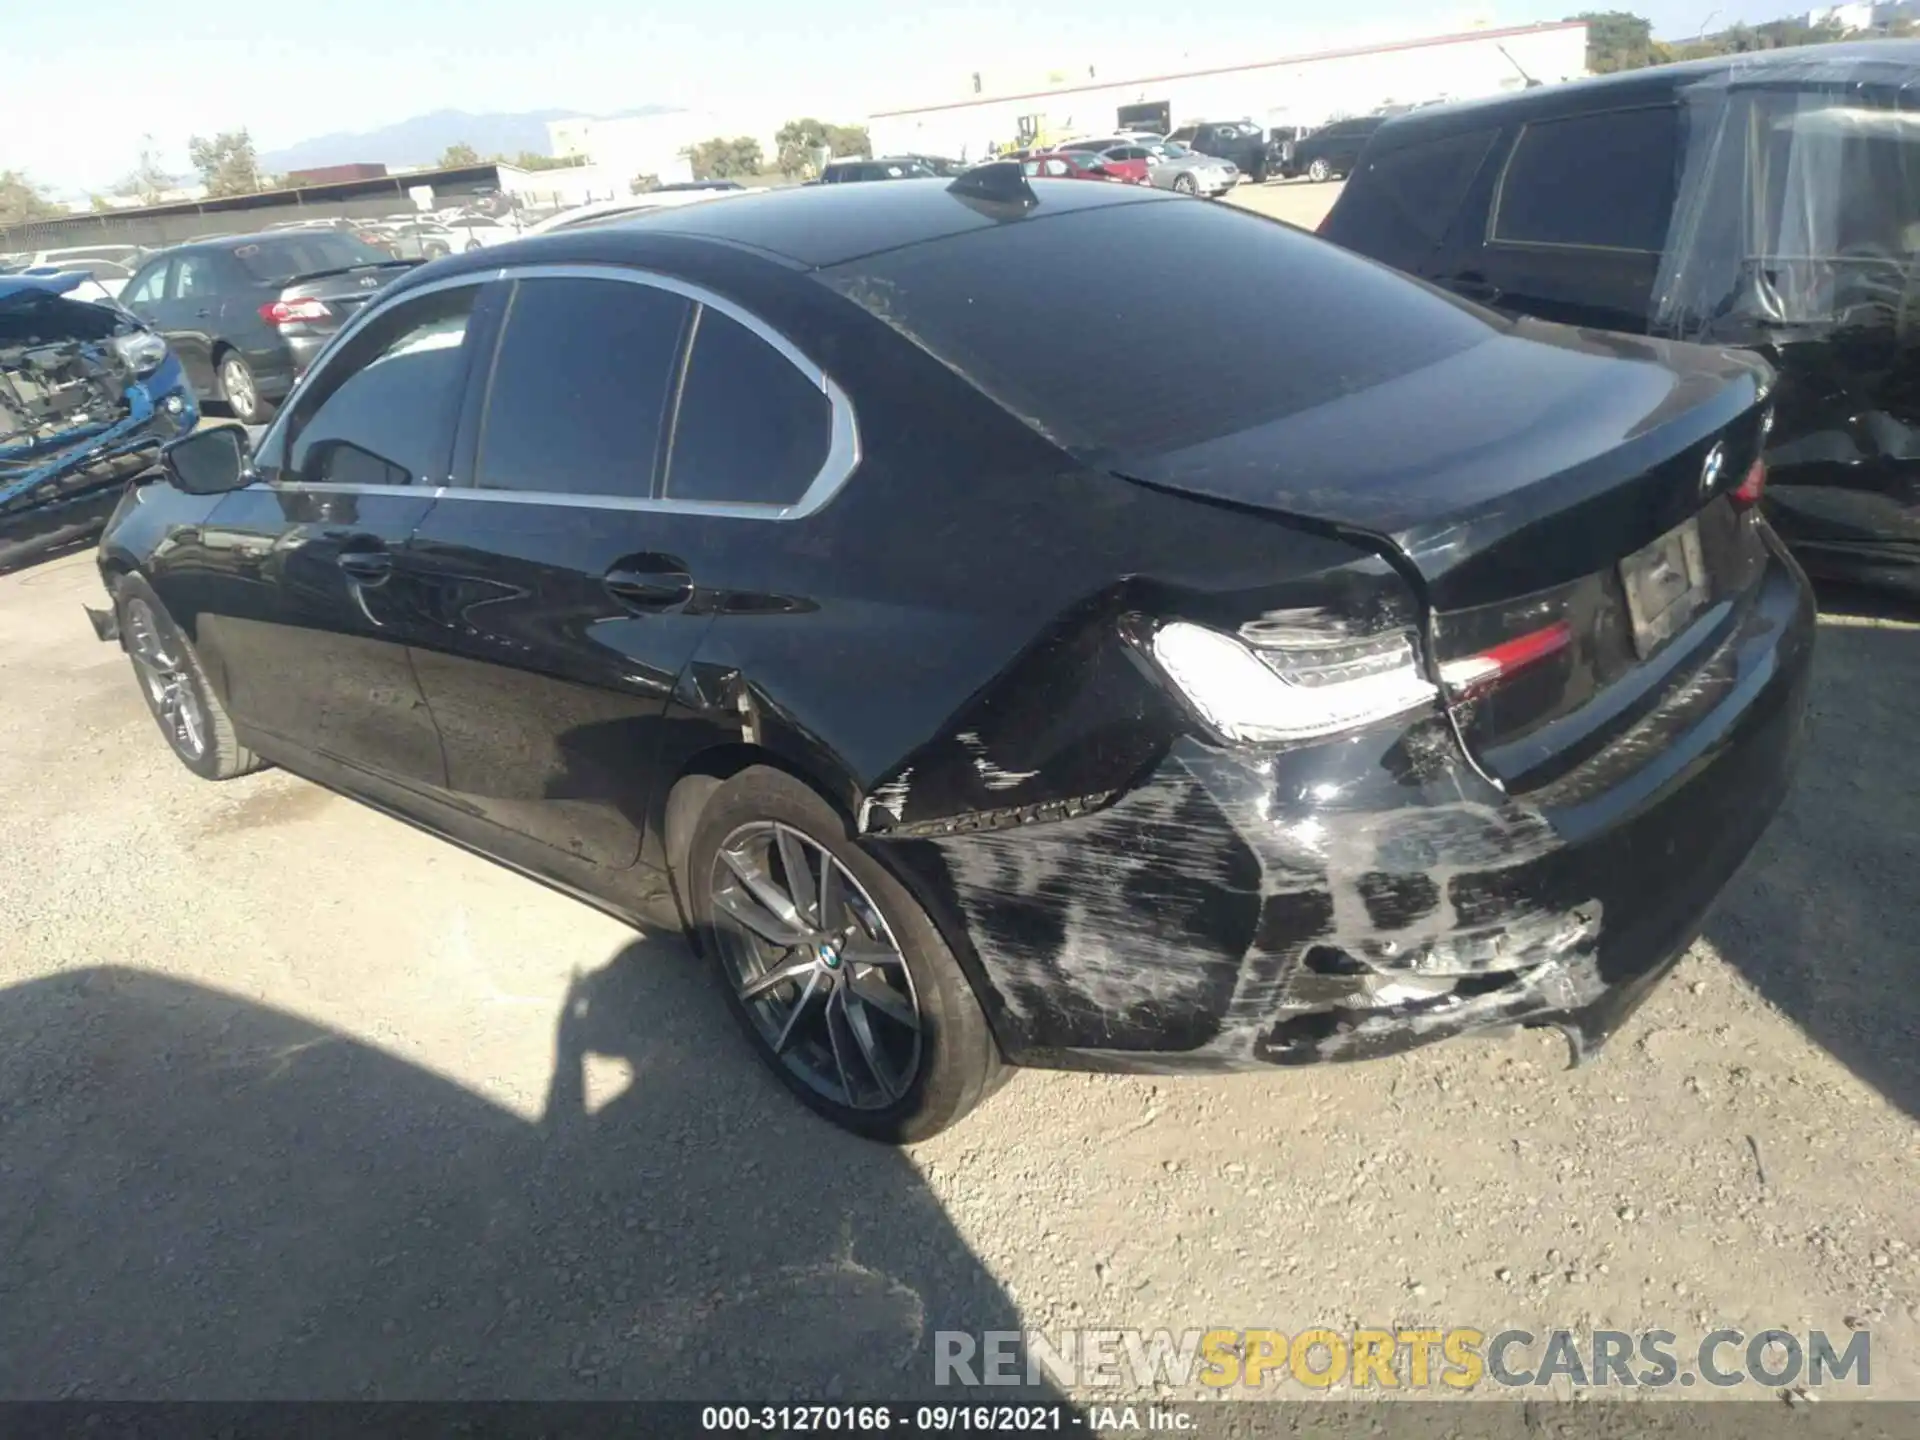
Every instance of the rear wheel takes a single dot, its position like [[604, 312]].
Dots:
[[840, 980], [241, 391], [175, 687], [1319, 172]]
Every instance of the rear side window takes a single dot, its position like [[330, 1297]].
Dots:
[[579, 390], [1400, 207], [1302, 322], [751, 428], [1602, 181]]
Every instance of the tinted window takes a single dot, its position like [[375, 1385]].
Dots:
[[1597, 180], [751, 427], [1302, 323], [381, 412], [1400, 207], [277, 259], [578, 390]]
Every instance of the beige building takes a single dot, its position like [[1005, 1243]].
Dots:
[[1298, 90]]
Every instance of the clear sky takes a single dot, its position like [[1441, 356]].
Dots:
[[85, 83]]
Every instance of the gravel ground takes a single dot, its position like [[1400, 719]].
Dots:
[[297, 1101]]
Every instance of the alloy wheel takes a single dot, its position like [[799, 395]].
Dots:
[[236, 383], [1184, 184], [169, 685], [1319, 171], [815, 966]]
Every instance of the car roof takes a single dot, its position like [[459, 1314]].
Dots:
[[1627, 87], [814, 226]]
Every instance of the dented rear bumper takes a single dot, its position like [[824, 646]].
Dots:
[[1361, 897]]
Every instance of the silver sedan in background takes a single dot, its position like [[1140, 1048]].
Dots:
[[1170, 165]]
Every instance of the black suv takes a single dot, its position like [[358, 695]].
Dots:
[[895, 167], [1331, 151], [247, 314], [1762, 200], [1237, 140]]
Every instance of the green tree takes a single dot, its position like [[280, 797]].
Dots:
[[22, 202], [147, 182], [99, 204], [459, 154], [724, 159], [227, 163], [797, 140], [527, 160], [1619, 40]]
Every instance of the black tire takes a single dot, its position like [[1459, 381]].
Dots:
[[217, 754], [241, 390], [958, 1061]]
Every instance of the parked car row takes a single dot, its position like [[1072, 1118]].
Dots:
[[1312, 713]]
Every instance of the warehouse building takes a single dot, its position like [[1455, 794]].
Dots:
[[1292, 92]]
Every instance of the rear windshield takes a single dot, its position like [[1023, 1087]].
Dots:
[[278, 258], [1220, 320]]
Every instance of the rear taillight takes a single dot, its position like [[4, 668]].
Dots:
[[1748, 491], [1262, 688], [294, 312], [1473, 674]]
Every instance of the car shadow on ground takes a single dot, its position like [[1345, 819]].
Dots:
[[1824, 919], [204, 1198]]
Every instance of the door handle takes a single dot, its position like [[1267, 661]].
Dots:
[[369, 566], [202, 314], [648, 589], [1474, 287]]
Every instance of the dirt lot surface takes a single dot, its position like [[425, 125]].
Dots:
[[1298, 202], [297, 1101]]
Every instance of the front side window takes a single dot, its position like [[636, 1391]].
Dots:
[[1602, 181], [381, 412], [579, 391], [751, 427]]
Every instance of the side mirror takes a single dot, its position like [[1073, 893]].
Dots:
[[213, 461], [1096, 170]]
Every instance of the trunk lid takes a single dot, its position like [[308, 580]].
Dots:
[[1527, 485], [344, 292]]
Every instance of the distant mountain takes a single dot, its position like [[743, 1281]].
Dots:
[[424, 138]]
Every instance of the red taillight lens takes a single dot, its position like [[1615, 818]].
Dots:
[[1749, 490], [293, 312], [1476, 672]]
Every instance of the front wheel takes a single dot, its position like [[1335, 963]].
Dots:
[[1186, 184], [839, 978], [1319, 172], [175, 687]]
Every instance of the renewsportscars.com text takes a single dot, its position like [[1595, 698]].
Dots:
[[1459, 1358]]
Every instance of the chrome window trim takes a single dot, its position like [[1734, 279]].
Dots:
[[843, 445]]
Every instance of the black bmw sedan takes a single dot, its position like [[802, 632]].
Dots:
[[791, 569]]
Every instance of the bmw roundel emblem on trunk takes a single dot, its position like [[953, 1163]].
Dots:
[[1710, 469]]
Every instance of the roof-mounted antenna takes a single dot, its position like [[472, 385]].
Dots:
[[1003, 182], [1532, 84]]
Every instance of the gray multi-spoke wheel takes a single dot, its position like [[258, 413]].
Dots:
[[240, 390], [163, 675], [835, 971], [175, 687], [813, 962], [1185, 183], [1319, 171]]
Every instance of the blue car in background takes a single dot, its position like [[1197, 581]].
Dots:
[[88, 395]]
